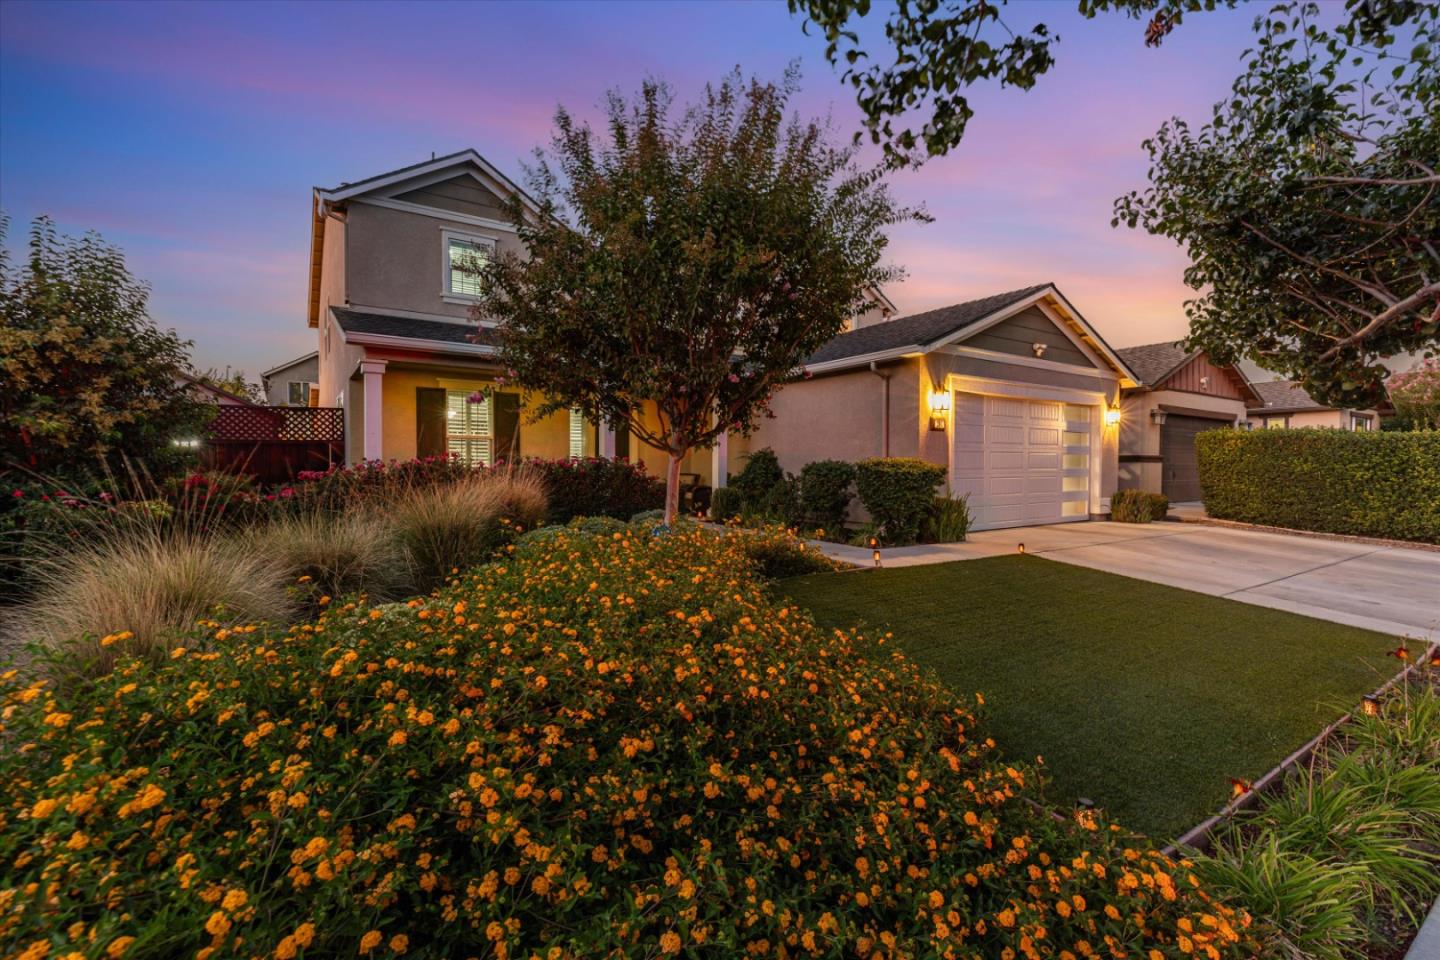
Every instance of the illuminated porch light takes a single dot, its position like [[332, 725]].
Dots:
[[1112, 416], [1370, 705], [939, 408]]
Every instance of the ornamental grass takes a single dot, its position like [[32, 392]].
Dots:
[[449, 527], [353, 552], [134, 592], [608, 744]]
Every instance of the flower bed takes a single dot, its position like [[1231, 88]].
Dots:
[[609, 744]]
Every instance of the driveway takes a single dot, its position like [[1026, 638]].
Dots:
[[1391, 589]]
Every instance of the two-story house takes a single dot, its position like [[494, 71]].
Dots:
[[1016, 394]]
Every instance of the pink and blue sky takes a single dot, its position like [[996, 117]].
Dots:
[[190, 135]]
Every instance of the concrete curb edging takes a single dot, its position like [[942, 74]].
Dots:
[[1198, 838], [1426, 945], [1314, 534]]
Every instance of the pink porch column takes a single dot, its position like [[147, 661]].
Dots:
[[607, 440], [373, 372]]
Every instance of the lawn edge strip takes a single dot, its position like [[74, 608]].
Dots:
[[1198, 837]]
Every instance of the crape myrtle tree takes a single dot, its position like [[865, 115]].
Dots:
[[1309, 204], [688, 259], [86, 378]]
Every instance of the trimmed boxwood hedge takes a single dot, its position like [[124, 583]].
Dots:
[[1330, 481], [899, 493]]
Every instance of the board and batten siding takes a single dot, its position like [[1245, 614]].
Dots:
[[458, 195], [1202, 376], [1018, 334]]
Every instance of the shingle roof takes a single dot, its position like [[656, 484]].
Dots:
[[1151, 362], [390, 173], [435, 331], [919, 329], [1285, 395]]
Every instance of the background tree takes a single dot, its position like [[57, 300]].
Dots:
[[686, 259], [1416, 396], [232, 382], [85, 375], [1308, 204]]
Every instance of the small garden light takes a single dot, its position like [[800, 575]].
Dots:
[[875, 554], [1020, 548], [1370, 705], [1435, 657]]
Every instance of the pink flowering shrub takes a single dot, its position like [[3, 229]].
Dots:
[[1416, 395]]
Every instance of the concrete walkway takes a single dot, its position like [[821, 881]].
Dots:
[[1391, 589]]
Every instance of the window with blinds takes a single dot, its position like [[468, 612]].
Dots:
[[466, 258], [577, 433], [469, 428]]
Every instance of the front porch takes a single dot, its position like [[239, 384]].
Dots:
[[401, 405]]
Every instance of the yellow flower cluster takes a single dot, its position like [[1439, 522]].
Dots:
[[613, 744]]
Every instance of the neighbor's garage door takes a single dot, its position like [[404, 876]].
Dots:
[[1022, 461], [1180, 472]]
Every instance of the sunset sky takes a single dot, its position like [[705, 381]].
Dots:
[[191, 134]]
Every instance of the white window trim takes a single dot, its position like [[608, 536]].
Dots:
[[446, 236]]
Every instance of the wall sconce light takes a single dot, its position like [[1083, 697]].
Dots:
[[1157, 417], [1039, 349], [939, 408], [1112, 416], [1370, 705]]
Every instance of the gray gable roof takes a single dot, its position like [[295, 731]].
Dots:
[[1152, 362], [434, 331], [919, 329], [1285, 395]]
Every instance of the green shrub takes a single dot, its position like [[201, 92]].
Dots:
[[758, 477], [445, 529], [725, 504], [825, 493], [1369, 484], [949, 520], [1137, 506], [899, 493], [596, 487], [777, 555], [602, 747], [780, 504]]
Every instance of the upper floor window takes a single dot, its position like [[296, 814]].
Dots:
[[465, 257]]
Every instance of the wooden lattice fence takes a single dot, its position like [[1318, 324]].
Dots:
[[273, 444]]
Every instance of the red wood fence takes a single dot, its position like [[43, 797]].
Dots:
[[273, 444]]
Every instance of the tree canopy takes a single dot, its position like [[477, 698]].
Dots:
[[686, 258], [1308, 203], [85, 375]]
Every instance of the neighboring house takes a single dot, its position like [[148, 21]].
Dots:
[[1015, 394], [1284, 403], [294, 384], [1180, 394]]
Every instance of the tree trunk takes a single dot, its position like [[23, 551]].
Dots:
[[672, 489]]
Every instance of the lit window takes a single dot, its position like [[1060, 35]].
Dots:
[[469, 431], [1274, 423], [1361, 423], [298, 393], [577, 433], [464, 261]]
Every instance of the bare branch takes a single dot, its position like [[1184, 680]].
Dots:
[[1389, 315]]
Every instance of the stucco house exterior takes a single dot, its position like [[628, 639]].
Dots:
[[295, 383], [1284, 403], [1180, 393], [1016, 394]]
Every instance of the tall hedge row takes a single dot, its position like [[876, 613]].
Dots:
[[1331, 481]]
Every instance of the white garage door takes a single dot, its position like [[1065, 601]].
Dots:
[[1022, 461]]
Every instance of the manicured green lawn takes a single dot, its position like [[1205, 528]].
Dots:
[[1144, 698]]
